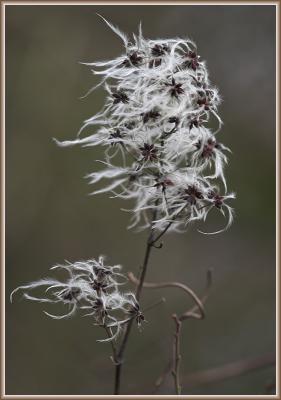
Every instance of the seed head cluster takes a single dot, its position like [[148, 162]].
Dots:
[[159, 150], [93, 288]]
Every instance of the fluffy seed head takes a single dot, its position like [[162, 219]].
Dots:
[[91, 286], [155, 119]]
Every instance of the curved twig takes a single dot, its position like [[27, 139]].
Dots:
[[191, 313], [158, 246], [186, 289], [174, 365]]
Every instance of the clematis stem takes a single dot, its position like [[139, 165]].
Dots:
[[120, 355]]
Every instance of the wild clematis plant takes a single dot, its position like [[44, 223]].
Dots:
[[159, 151]]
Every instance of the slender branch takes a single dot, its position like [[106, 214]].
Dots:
[[161, 233], [192, 312], [140, 284], [173, 366], [145, 264], [177, 355], [156, 238], [159, 285], [118, 369]]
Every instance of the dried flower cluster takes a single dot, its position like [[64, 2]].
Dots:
[[159, 102], [91, 286]]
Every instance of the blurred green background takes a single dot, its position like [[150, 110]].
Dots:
[[51, 217]]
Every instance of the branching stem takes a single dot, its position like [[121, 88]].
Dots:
[[149, 244], [128, 328], [195, 312], [153, 243]]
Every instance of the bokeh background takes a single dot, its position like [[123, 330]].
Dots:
[[51, 217]]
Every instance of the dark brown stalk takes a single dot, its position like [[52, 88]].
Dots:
[[162, 233], [120, 355], [195, 312], [128, 328], [177, 355], [191, 313]]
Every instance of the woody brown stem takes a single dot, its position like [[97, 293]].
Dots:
[[174, 365], [177, 355], [120, 354], [151, 241]]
